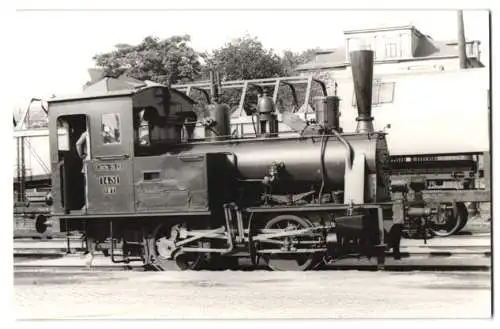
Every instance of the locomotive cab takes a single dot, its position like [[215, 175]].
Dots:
[[122, 127]]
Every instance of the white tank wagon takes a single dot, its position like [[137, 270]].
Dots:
[[428, 113]]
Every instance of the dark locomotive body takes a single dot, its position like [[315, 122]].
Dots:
[[164, 199]]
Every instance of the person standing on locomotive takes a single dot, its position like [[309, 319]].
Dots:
[[83, 150]]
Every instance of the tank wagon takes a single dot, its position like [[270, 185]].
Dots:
[[149, 193]]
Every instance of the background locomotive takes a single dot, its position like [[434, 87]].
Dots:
[[292, 201]]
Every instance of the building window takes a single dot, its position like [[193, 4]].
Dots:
[[383, 93], [391, 50]]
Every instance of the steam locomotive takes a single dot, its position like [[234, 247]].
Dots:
[[455, 166], [147, 191]]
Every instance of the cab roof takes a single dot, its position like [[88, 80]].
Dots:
[[98, 94]]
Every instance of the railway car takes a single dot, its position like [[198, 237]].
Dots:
[[144, 191], [31, 171]]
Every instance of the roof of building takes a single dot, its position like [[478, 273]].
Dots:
[[427, 49], [383, 29]]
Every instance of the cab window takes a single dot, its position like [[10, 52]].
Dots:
[[110, 128]]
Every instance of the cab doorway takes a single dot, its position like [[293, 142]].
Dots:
[[72, 169]]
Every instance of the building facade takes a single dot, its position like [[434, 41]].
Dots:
[[401, 48]]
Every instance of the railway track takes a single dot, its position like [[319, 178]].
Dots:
[[470, 261], [330, 267], [478, 244], [458, 253], [33, 248], [73, 268]]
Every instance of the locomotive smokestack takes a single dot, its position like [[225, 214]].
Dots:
[[362, 75]]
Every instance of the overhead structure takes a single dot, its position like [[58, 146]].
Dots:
[[260, 85]]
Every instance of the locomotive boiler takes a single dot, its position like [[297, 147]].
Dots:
[[145, 192]]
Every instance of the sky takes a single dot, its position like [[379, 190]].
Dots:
[[56, 47]]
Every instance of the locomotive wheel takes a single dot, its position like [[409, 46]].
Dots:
[[464, 215], [290, 262], [449, 223], [158, 246]]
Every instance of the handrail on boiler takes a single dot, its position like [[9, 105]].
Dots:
[[349, 157], [348, 148]]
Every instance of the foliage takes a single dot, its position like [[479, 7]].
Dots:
[[173, 61], [291, 60], [164, 61], [245, 58]]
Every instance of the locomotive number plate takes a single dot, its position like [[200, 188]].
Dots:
[[110, 190], [109, 180], [116, 166]]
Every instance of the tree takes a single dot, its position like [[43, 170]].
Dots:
[[245, 58], [291, 60], [164, 61]]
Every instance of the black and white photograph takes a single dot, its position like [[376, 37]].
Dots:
[[256, 163]]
